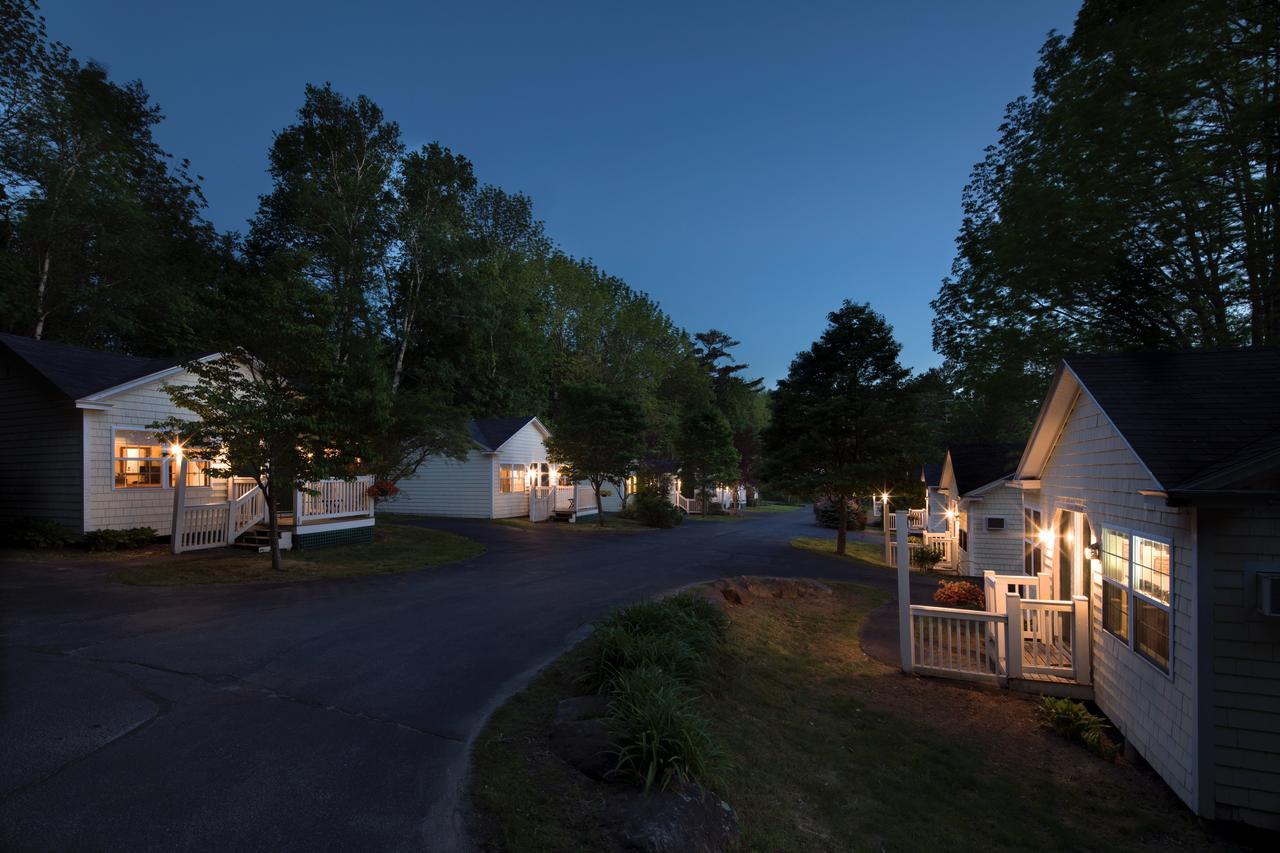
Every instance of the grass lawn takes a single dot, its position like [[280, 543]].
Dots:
[[774, 508], [830, 750], [715, 516], [396, 548], [867, 552]]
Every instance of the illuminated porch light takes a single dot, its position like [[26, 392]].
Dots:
[[1045, 535], [176, 450]]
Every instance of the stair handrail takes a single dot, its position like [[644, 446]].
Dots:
[[240, 519]]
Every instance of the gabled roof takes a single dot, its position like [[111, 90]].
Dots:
[[492, 433], [931, 474], [76, 372], [978, 465], [1195, 419]]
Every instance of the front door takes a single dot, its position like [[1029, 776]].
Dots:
[[1070, 578]]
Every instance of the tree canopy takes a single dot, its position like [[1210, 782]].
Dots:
[[598, 438]]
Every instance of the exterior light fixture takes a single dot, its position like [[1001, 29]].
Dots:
[[1045, 535]]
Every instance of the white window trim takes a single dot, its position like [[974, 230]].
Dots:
[[164, 462], [986, 524], [1131, 532], [1032, 538]]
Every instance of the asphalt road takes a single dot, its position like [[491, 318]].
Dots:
[[329, 715]]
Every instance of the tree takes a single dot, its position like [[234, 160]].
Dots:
[[842, 420], [253, 421], [1131, 203], [741, 401], [705, 451], [597, 437]]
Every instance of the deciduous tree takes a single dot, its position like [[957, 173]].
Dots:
[[597, 436]]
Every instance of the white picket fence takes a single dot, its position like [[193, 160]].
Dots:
[[334, 499], [1017, 636]]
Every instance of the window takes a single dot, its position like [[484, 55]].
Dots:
[[138, 459], [510, 478], [197, 471], [1032, 548], [964, 539], [564, 481], [995, 523], [1136, 573]]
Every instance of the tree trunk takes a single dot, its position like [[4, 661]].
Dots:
[[42, 287], [599, 507], [273, 525], [842, 514]]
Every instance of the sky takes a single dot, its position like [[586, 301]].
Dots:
[[748, 165]]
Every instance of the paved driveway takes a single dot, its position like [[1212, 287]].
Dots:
[[330, 715]]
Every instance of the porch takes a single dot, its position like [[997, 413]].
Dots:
[[324, 512], [919, 538], [1019, 640], [562, 503]]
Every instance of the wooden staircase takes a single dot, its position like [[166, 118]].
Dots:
[[258, 538]]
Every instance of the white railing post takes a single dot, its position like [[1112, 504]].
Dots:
[[1013, 634], [884, 520], [1080, 639], [299, 506], [179, 506], [230, 532], [904, 595]]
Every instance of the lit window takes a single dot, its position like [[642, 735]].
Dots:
[[197, 471], [1032, 547], [1136, 573], [138, 458], [564, 481], [510, 478]]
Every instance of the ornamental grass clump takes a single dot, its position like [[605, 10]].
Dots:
[[647, 657], [1073, 721], [660, 736]]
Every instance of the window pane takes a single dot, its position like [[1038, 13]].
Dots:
[[1151, 632], [1115, 556], [1115, 610], [1151, 568]]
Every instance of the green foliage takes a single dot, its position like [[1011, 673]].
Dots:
[[36, 533], [1130, 203], [927, 556], [616, 649], [115, 540], [1073, 721], [661, 737], [654, 510], [705, 450], [598, 436], [826, 511]]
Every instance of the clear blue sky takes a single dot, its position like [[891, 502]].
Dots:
[[749, 165]]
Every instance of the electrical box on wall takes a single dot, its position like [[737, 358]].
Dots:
[[1269, 593]]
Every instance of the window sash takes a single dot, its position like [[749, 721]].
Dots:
[[1137, 573], [137, 459], [510, 478]]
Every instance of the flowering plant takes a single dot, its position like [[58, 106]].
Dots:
[[960, 594], [383, 489]]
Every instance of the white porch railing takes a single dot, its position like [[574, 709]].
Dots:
[[215, 525], [333, 499], [542, 503], [691, 506], [1017, 637]]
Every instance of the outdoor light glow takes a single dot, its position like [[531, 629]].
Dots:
[[885, 497], [1071, 537], [951, 513], [1045, 535], [176, 450]]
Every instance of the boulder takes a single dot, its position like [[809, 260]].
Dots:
[[682, 819], [581, 708], [711, 594], [732, 591], [587, 746]]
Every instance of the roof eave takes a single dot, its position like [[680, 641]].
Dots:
[[96, 399]]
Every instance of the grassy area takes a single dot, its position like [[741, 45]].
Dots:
[[396, 548], [715, 516], [774, 508], [867, 552], [612, 524], [830, 750]]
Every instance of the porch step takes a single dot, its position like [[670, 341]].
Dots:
[[258, 538], [1050, 686]]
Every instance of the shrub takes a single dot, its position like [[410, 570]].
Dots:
[[114, 540], [36, 533], [927, 556], [1073, 721], [826, 511], [659, 734], [960, 594], [654, 510], [694, 621], [616, 650], [383, 489]]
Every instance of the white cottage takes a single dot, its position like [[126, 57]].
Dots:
[[75, 448], [1153, 481], [505, 475]]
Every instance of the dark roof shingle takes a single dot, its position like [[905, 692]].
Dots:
[[976, 465], [1186, 413], [76, 372], [492, 433]]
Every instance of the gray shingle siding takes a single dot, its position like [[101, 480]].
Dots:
[[41, 447]]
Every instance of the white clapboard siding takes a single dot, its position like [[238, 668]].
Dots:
[[1091, 468], [449, 487], [111, 508], [999, 551], [523, 448]]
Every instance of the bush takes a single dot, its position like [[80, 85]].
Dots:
[[654, 510], [383, 489], [659, 734], [36, 533], [826, 511], [675, 635], [114, 540], [960, 594], [694, 621], [1073, 721], [927, 556]]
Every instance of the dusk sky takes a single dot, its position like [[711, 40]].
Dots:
[[747, 165]]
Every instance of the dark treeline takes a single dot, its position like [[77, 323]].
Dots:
[[393, 282], [1131, 202]]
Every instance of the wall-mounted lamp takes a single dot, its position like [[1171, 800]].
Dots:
[[1093, 552], [1045, 535]]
